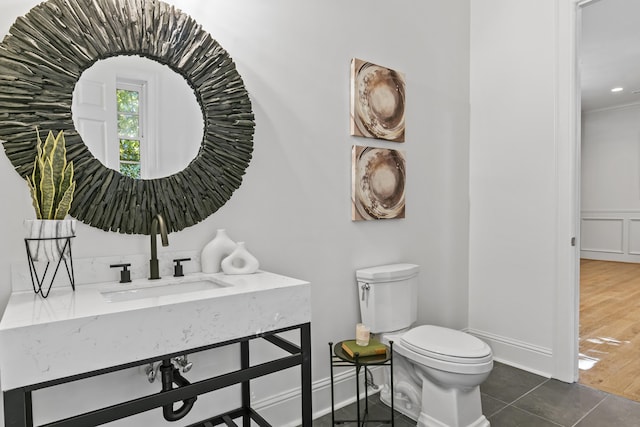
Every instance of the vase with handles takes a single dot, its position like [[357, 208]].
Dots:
[[215, 251], [240, 261]]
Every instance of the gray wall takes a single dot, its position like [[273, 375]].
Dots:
[[610, 184], [522, 267], [293, 208]]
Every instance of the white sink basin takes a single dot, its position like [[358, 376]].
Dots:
[[149, 289], [110, 324]]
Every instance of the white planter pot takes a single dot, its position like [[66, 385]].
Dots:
[[52, 235]]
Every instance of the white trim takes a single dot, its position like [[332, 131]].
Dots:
[[582, 3], [627, 248], [611, 212], [620, 238], [519, 354], [630, 241], [613, 108], [283, 409], [566, 310]]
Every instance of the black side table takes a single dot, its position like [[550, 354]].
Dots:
[[339, 358]]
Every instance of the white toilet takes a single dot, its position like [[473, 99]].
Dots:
[[437, 371]]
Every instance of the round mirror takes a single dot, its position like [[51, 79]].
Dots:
[[126, 109], [43, 57]]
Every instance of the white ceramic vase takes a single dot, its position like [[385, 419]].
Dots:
[[215, 251], [50, 235], [240, 261]]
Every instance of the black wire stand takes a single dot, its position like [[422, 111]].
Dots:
[[339, 358], [64, 256]]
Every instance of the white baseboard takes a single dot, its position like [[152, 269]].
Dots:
[[284, 409], [519, 354]]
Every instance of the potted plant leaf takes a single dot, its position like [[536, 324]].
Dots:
[[52, 186]]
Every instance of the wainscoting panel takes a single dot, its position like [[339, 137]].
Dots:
[[610, 235], [634, 236]]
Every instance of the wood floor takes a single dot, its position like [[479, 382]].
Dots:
[[610, 327]]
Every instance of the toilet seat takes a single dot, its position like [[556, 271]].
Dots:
[[447, 345]]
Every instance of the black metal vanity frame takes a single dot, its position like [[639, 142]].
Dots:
[[18, 403]]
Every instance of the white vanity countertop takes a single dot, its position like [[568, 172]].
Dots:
[[71, 333]]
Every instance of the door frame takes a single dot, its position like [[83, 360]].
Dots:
[[568, 125]]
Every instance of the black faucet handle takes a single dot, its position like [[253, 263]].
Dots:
[[125, 274], [177, 269]]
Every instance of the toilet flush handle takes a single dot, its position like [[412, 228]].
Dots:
[[364, 287]]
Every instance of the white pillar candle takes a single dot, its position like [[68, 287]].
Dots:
[[362, 334]]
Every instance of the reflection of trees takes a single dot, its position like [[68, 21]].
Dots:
[[130, 170], [130, 150], [127, 100], [128, 131]]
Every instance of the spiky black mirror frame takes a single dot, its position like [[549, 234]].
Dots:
[[41, 60]]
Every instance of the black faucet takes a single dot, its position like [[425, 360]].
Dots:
[[157, 222]]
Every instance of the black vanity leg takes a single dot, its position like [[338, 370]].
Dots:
[[17, 408], [358, 391], [305, 346], [333, 411], [246, 390], [393, 411]]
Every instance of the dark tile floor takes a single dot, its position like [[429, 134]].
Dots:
[[512, 397]]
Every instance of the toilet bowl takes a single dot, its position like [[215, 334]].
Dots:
[[437, 371], [451, 366]]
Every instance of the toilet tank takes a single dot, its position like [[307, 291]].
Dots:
[[388, 296]]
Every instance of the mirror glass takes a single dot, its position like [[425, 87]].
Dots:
[[137, 116]]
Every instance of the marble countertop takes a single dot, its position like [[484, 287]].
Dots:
[[70, 333]]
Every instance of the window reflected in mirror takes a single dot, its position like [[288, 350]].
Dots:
[[130, 133]]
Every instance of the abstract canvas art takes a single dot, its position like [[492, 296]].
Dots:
[[378, 183], [377, 101]]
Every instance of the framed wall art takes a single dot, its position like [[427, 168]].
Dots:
[[377, 101], [378, 183]]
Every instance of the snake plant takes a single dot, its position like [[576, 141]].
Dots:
[[51, 182]]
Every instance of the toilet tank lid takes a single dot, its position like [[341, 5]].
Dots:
[[387, 273]]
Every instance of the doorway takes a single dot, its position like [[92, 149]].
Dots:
[[609, 211]]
